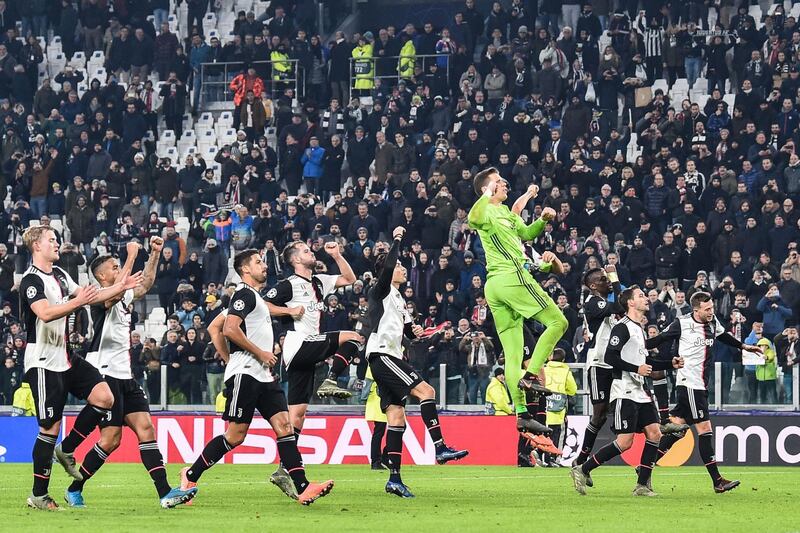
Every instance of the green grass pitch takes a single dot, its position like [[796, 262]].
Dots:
[[449, 498]]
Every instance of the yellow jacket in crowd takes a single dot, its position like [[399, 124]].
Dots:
[[561, 381], [373, 411], [497, 397], [23, 401], [405, 65], [364, 67]]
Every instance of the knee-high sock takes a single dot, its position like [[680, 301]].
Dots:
[[649, 456], [42, 462], [427, 409], [558, 436], [394, 451], [95, 458], [555, 325], [531, 403], [293, 462], [706, 441], [588, 442], [154, 463], [377, 439], [541, 412], [603, 455], [666, 443], [213, 452], [512, 341], [87, 420], [523, 448], [661, 388], [341, 360]]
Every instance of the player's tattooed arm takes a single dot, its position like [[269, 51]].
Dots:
[[149, 273]]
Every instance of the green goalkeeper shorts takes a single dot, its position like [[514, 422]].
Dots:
[[513, 299]]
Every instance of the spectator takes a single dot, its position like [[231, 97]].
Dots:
[[480, 356]]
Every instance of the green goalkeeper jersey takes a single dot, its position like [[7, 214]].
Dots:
[[502, 232]]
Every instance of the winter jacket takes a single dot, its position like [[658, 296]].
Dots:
[[667, 260], [312, 162]]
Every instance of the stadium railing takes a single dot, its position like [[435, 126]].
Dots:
[[393, 76], [215, 79], [738, 395]]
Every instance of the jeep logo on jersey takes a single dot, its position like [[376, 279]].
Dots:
[[703, 342], [315, 306]]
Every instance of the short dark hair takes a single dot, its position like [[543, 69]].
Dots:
[[627, 295], [559, 354], [289, 251], [98, 262], [699, 298], [590, 274], [242, 258], [481, 178]]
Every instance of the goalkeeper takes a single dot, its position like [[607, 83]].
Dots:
[[511, 291]]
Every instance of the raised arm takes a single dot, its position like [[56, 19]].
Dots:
[[384, 282], [347, 276], [523, 200], [149, 272], [217, 337]]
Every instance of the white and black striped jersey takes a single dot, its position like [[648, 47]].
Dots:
[[600, 316], [47, 341], [110, 349], [626, 353], [695, 345], [256, 324], [387, 312], [297, 291]]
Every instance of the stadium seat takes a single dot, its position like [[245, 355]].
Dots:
[[167, 138], [56, 64], [701, 101], [228, 137], [225, 119], [657, 84], [681, 83], [206, 139], [172, 153], [188, 122], [82, 88], [210, 154], [78, 60], [729, 99], [700, 83]]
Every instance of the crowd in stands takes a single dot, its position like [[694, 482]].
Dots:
[[665, 143]]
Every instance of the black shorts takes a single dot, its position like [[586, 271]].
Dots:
[[632, 417], [600, 384], [50, 389], [314, 350], [128, 398], [244, 394], [395, 379], [691, 405]]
